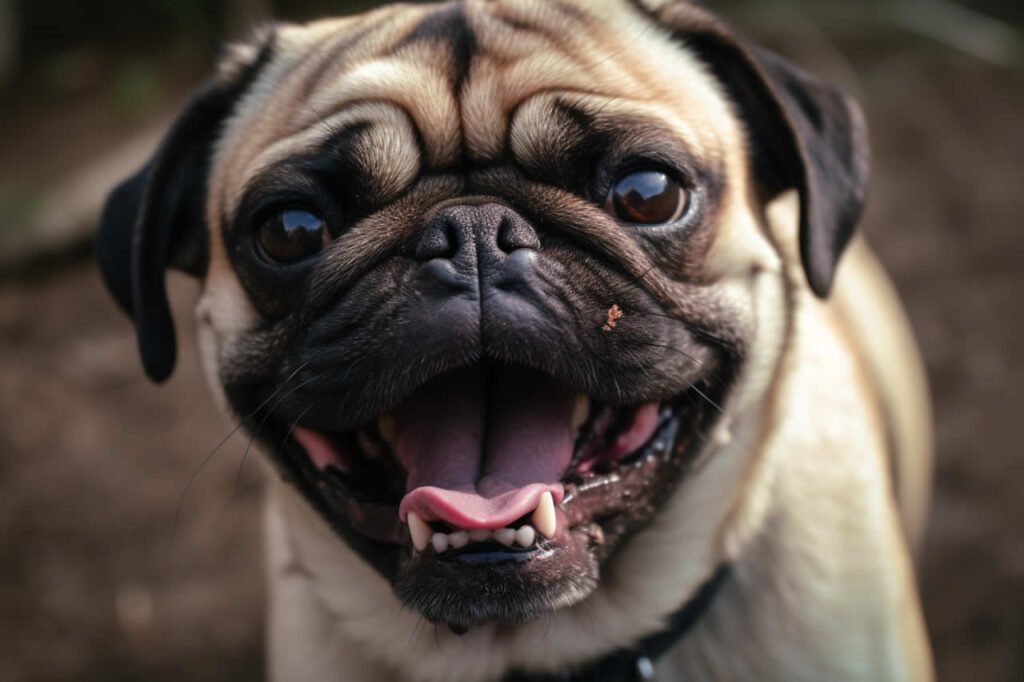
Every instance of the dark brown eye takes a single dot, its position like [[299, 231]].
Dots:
[[646, 198], [291, 236]]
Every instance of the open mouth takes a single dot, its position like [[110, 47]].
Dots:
[[500, 463]]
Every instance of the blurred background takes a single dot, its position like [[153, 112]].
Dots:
[[129, 544]]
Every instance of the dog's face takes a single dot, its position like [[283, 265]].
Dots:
[[482, 276]]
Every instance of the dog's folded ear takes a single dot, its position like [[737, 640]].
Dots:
[[156, 218], [804, 133]]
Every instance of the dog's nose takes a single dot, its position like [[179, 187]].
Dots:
[[478, 246]]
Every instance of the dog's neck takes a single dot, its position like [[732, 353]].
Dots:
[[637, 662]]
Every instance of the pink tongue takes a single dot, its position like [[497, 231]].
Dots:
[[480, 450]]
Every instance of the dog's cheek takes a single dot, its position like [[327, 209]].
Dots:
[[209, 350], [223, 316], [743, 248], [769, 287]]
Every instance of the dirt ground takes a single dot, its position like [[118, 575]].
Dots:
[[99, 582]]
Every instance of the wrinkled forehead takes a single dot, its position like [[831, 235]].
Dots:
[[446, 85]]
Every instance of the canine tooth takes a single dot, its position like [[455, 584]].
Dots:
[[505, 536], [439, 541], [419, 530], [386, 428], [723, 435], [544, 516], [458, 539], [479, 535], [525, 536], [580, 411]]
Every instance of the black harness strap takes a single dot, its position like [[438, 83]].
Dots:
[[636, 663]]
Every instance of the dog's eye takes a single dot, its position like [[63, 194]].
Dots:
[[292, 235], [646, 197]]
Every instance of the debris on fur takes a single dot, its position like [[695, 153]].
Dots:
[[614, 315]]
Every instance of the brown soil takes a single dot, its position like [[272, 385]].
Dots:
[[98, 582]]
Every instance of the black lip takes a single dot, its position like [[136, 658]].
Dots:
[[603, 510], [345, 496], [332, 497], [497, 555]]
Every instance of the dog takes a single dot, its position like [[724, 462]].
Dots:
[[535, 308]]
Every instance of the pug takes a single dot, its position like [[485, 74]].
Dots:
[[535, 308]]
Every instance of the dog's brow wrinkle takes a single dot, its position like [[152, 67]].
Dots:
[[640, 34], [334, 52], [374, 35], [447, 24]]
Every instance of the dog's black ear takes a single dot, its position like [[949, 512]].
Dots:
[[804, 133], [156, 218]]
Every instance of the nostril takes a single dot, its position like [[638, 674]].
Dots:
[[470, 233], [518, 271], [514, 233], [439, 240]]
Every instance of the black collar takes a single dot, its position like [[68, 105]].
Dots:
[[636, 663]]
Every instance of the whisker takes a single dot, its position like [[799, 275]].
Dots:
[[625, 47], [241, 465], [639, 277], [705, 397], [416, 628], [296, 423], [692, 385], [697, 331], [692, 328], [232, 432], [671, 348], [263, 421]]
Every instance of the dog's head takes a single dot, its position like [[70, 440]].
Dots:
[[483, 277]]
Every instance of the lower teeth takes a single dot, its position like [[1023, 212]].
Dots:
[[524, 536]]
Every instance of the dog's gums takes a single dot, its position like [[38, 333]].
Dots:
[[477, 475], [604, 439]]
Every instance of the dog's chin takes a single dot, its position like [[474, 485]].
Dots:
[[513, 521]]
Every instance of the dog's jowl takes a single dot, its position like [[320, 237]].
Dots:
[[538, 311]]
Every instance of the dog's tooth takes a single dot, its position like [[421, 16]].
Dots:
[[419, 531], [723, 434], [506, 536], [525, 536], [439, 541], [580, 411], [458, 539], [386, 428], [479, 535], [544, 519]]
